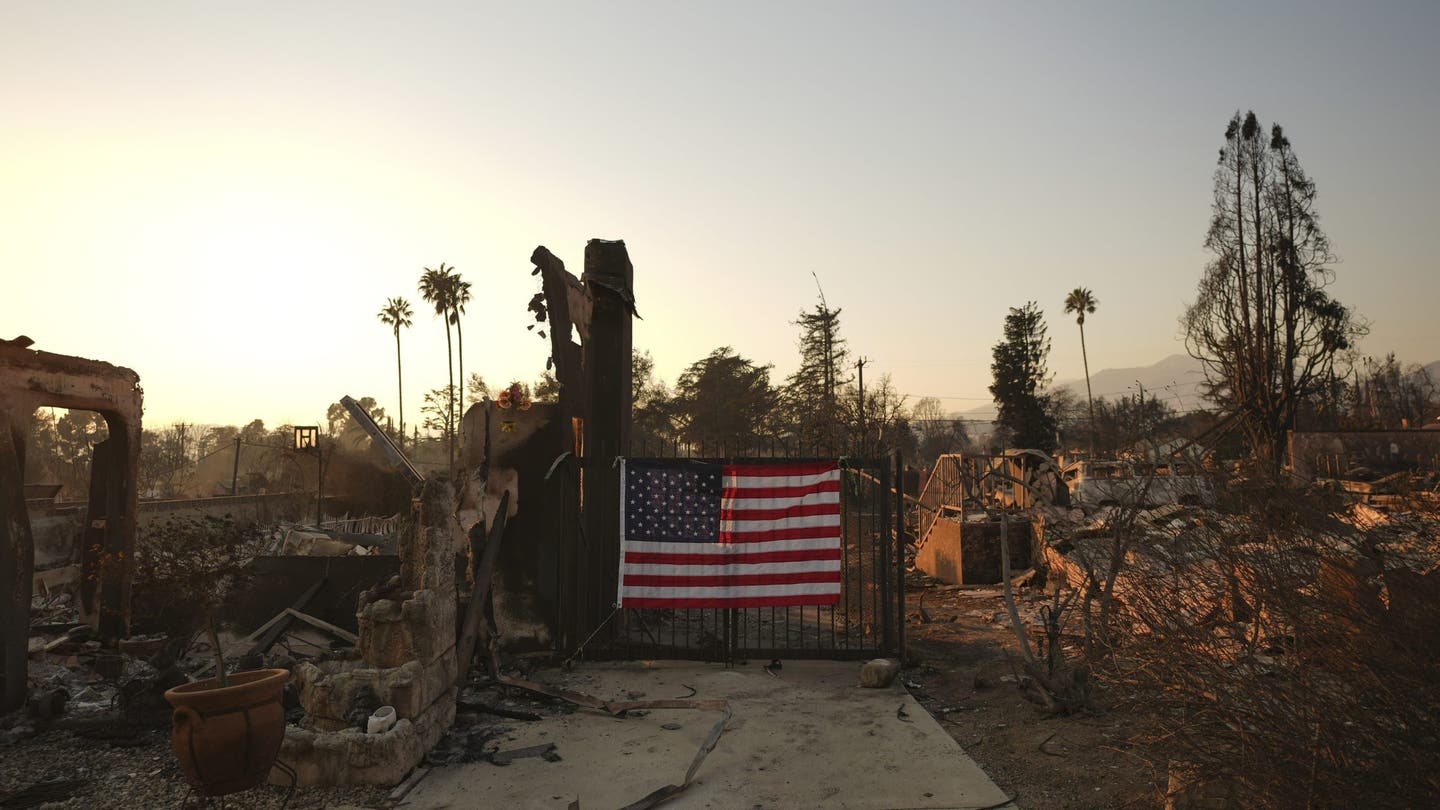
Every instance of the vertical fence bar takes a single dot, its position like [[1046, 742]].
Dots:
[[731, 616], [900, 554], [880, 536], [847, 589]]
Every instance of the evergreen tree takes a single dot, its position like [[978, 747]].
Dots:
[[723, 401], [1021, 378], [812, 394]]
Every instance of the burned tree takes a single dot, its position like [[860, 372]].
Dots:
[[1262, 324]]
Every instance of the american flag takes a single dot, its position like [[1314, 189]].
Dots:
[[701, 535]]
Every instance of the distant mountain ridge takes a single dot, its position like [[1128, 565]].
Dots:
[[1178, 375], [1176, 379]]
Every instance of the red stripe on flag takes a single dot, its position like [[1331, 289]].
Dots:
[[781, 492], [798, 510], [728, 580], [727, 558], [774, 470], [822, 599]]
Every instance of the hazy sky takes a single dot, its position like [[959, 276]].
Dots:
[[222, 196]]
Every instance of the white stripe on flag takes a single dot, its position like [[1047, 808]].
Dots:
[[671, 569], [821, 543], [807, 522]]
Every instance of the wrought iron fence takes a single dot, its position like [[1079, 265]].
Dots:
[[865, 622]]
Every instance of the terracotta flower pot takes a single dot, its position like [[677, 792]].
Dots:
[[227, 739]]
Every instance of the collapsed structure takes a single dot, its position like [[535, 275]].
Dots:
[[405, 659], [506, 517], [31, 379]]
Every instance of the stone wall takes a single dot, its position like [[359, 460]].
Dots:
[[405, 659]]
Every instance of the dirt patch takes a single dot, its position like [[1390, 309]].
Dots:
[[969, 678]]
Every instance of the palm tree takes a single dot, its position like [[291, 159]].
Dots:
[[437, 287], [1081, 301], [396, 314], [459, 297]]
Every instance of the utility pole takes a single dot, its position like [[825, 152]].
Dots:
[[864, 434], [235, 472]]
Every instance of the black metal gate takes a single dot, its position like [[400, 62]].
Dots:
[[867, 621]]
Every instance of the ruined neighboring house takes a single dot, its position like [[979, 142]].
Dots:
[[31, 379], [1144, 483], [1338, 453]]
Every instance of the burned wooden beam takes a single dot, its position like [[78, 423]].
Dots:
[[17, 561], [272, 630], [482, 574], [558, 285], [324, 626], [609, 278]]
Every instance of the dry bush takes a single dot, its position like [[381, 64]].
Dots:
[[184, 570], [1285, 645]]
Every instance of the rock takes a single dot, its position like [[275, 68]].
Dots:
[[879, 673], [143, 646], [47, 704]]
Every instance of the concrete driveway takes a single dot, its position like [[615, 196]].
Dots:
[[810, 738]]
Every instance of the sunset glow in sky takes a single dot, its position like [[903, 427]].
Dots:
[[223, 196]]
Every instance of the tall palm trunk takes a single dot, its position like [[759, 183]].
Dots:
[[1090, 398], [400, 385], [460, 346], [450, 398]]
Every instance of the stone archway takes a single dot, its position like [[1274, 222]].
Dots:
[[32, 379]]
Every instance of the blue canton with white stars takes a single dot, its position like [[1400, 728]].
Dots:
[[673, 502]]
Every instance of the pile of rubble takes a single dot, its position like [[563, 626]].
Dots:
[[1385, 553]]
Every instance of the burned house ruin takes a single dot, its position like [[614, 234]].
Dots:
[[31, 379]]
